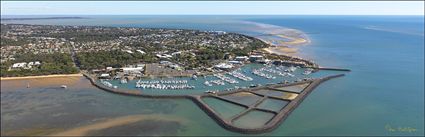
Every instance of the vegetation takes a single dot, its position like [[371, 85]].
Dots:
[[58, 63], [11, 42], [95, 47], [114, 58]]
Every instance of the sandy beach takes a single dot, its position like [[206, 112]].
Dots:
[[280, 50], [43, 76], [13, 83], [285, 47]]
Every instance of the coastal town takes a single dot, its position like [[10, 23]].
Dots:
[[166, 63], [36, 39], [131, 53]]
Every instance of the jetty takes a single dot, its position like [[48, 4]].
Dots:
[[334, 69], [317, 68]]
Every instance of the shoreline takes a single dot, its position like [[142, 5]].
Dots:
[[42, 76], [286, 49], [283, 47]]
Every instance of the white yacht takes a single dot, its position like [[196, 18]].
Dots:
[[123, 81], [63, 86]]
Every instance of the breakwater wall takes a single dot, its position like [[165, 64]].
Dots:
[[335, 69], [276, 120], [329, 68], [285, 112], [227, 123]]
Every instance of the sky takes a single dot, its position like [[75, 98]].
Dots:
[[212, 8]]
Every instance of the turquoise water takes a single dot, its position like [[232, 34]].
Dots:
[[274, 93], [385, 88], [273, 104], [253, 119], [225, 109], [295, 88], [245, 98]]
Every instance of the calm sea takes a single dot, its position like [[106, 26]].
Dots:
[[383, 95]]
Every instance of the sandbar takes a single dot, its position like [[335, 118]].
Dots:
[[294, 40], [113, 122]]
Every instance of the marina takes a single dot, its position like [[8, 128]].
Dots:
[[259, 72], [164, 84], [231, 118], [268, 92], [225, 78], [249, 75], [239, 75]]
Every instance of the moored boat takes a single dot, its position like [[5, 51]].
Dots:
[[63, 86]]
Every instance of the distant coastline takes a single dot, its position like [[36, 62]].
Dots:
[[42, 18], [41, 76]]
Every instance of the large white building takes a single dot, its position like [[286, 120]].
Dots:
[[24, 65], [254, 58], [136, 69], [241, 58], [140, 51], [163, 56], [223, 66]]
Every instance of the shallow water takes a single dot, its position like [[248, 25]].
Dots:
[[273, 104], [243, 98], [295, 88], [275, 93], [225, 109], [51, 107], [253, 119], [145, 128]]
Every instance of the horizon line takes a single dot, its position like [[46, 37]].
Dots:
[[214, 14], [212, 8]]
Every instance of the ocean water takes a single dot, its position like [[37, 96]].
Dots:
[[382, 95], [385, 88]]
